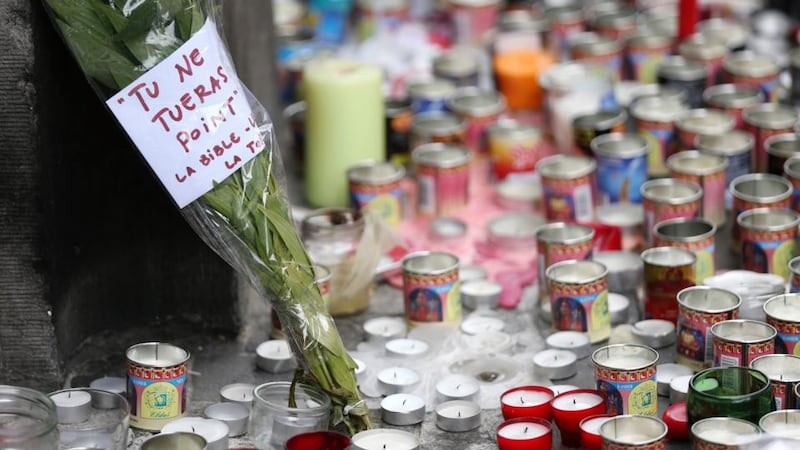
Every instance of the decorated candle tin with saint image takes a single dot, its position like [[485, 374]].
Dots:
[[560, 241], [783, 313], [732, 99], [431, 288], [478, 109], [708, 172], [769, 239], [655, 119], [442, 178], [589, 126], [626, 373], [598, 49], [757, 190], [669, 198], [747, 68], [735, 146], [780, 148], [621, 167], [616, 22], [157, 384], [430, 95], [701, 121], [791, 170], [514, 148], [376, 185], [645, 52], [783, 372], [579, 298], [700, 307], [764, 121], [634, 432], [696, 235], [569, 187], [724, 433], [738, 342], [436, 127], [667, 271]]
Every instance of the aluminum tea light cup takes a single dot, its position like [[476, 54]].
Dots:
[[669, 198], [395, 380], [170, 441], [695, 235], [555, 364], [667, 271], [782, 424], [402, 409], [626, 374], [574, 341], [481, 294], [708, 172], [579, 298], [634, 432], [679, 388], [458, 416], [769, 240], [738, 342], [783, 313], [654, 333], [784, 376], [780, 148], [569, 187], [700, 307], [724, 433], [560, 241]]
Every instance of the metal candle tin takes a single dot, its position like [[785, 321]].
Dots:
[[733, 99], [769, 239], [634, 432], [794, 282], [629, 219], [667, 271], [757, 190], [645, 50], [689, 75], [764, 121], [708, 172], [735, 146], [398, 129], [478, 109], [589, 126], [668, 198], [784, 375], [707, 51], [783, 313], [569, 187], [430, 95], [617, 22], [376, 185], [626, 373], [695, 235], [702, 121], [442, 178], [700, 307], [598, 49], [579, 298], [436, 127], [723, 433], [782, 425], [157, 382], [621, 166], [431, 288], [559, 241], [655, 119], [459, 67], [791, 170], [514, 148], [781, 148], [738, 342], [565, 21], [747, 68]]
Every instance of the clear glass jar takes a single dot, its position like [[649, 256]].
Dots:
[[27, 420], [106, 423], [332, 237], [273, 422]]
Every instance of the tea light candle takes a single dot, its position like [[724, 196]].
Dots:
[[489, 342], [458, 416], [570, 408], [116, 385], [784, 423], [182, 441], [385, 439], [481, 294], [457, 387], [665, 373], [381, 329], [215, 432], [480, 324], [241, 393], [360, 370], [561, 388], [679, 388], [524, 433], [590, 432], [574, 341], [618, 306], [234, 415], [527, 401], [406, 348], [394, 380], [274, 356], [402, 409], [654, 333], [555, 364], [471, 272], [72, 406]]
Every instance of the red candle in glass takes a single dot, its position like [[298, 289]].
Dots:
[[590, 431], [318, 440], [677, 421], [525, 433], [571, 407], [527, 401]]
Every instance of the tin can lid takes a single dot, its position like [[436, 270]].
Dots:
[[761, 188], [770, 116], [731, 32], [456, 63], [702, 47], [680, 68], [620, 145], [431, 89], [375, 172], [750, 64], [792, 167], [784, 145], [668, 257], [736, 432], [513, 129], [693, 162], [621, 18], [744, 331], [156, 354], [684, 229], [768, 219], [671, 191], [657, 109], [564, 13], [565, 166], [437, 124], [601, 120], [732, 96], [706, 121], [440, 155], [648, 40], [734, 142], [589, 43], [564, 233], [576, 271], [433, 263], [521, 20], [475, 102], [708, 299]]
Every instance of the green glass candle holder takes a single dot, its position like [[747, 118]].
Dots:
[[737, 392]]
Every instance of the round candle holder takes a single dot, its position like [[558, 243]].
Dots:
[[574, 341], [34, 417], [736, 392], [480, 294], [700, 307], [382, 329], [406, 348], [241, 393], [215, 432], [724, 433], [318, 440], [782, 424], [633, 433], [525, 433], [622, 369], [679, 388], [234, 415], [402, 409], [618, 308], [105, 424], [274, 356], [457, 387], [458, 416], [783, 372], [384, 438], [590, 431], [477, 324], [395, 380], [570, 408], [555, 364], [654, 333], [272, 422], [665, 373], [739, 342], [171, 441], [117, 385], [527, 401]]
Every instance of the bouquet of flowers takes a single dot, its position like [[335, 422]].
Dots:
[[167, 77]]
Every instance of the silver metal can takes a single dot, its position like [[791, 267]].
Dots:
[[689, 75], [430, 95], [695, 235], [668, 198], [780, 148], [747, 68], [457, 66], [735, 146], [702, 121], [708, 172], [436, 127], [442, 177], [764, 121], [768, 239], [478, 109], [621, 166], [569, 187], [733, 99]]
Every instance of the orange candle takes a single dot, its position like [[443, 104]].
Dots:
[[517, 74]]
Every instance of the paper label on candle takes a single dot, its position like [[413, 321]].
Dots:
[[587, 312], [695, 344], [190, 118], [629, 392]]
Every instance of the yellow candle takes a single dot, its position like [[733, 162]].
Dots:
[[344, 125]]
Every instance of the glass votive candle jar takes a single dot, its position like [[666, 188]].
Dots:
[[106, 426], [28, 420], [273, 422], [736, 392]]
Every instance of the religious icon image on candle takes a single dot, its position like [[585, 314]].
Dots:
[[579, 298], [570, 408], [626, 374], [527, 401], [525, 433]]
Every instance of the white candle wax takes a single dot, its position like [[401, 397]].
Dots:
[[526, 398], [574, 341], [784, 310], [482, 287], [626, 362], [406, 347], [116, 385], [403, 409], [397, 379], [577, 401], [458, 415], [383, 328], [385, 439], [785, 430], [215, 432], [72, 406], [522, 430], [555, 364], [489, 342], [665, 373], [679, 388], [618, 306], [655, 333], [724, 436], [274, 356], [481, 324], [593, 425], [241, 393], [457, 387], [235, 415]]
